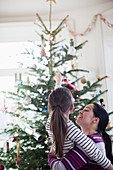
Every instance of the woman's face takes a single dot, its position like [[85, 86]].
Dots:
[[86, 116]]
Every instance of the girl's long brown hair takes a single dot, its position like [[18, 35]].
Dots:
[[60, 101]]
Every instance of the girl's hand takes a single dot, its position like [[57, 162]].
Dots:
[[110, 167], [58, 78], [51, 150]]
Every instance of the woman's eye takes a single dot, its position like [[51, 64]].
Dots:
[[86, 110]]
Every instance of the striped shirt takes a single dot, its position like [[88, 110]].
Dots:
[[76, 158], [75, 136]]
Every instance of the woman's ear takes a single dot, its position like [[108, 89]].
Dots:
[[72, 107], [96, 120]]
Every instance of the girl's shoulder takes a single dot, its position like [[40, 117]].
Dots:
[[70, 123], [72, 126]]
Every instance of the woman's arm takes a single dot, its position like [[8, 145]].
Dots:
[[55, 163], [75, 159]]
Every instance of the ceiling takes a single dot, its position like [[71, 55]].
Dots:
[[19, 8]]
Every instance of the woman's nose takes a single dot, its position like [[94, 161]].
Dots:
[[80, 111]]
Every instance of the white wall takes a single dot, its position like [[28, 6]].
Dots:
[[92, 52], [108, 62], [81, 18], [17, 31], [93, 49], [93, 56]]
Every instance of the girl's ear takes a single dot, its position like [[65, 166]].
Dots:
[[72, 107], [49, 108]]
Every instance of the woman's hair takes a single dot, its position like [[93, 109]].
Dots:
[[101, 113], [60, 102]]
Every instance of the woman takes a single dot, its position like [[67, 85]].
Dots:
[[93, 120], [62, 132]]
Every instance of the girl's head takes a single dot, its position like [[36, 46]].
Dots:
[[60, 104], [60, 98]]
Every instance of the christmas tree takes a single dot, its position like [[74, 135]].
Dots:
[[30, 145]]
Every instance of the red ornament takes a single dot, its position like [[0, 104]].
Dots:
[[70, 86], [14, 139], [1, 167], [77, 89]]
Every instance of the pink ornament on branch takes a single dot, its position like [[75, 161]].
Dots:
[[43, 54]]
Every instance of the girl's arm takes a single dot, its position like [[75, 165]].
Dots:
[[110, 167], [48, 129], [77, 136], [75, 159]]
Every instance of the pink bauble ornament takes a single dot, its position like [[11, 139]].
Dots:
[[43, 54]]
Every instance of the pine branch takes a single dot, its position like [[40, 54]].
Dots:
[[92, 100], [64, 59], [110, 113], [81, 45], [62, 22], [77, 70], [82, 92], [43, 24], [77, 80], [54, 44]]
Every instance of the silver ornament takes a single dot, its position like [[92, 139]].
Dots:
[[27, 100]]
